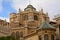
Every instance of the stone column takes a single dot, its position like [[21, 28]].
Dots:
[[42, 37], [49, 36], [54, 37]]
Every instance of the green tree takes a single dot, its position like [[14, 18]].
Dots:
[[7, 38]]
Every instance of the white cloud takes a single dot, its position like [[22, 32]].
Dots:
[[16, 4], [3, 18], [0, 5], [50, 6]]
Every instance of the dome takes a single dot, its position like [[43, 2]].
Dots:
[[29, 6], [46, 25]]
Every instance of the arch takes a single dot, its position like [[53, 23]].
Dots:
[[17, 35], [21, 34], [13, 34], [40, 38], [52, 37], [25, 17], [35, 17], [46, 37]]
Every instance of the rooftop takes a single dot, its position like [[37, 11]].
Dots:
[[46, 25]]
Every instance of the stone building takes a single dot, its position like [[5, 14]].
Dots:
[[57, 18], [31, 24], [4, 28]]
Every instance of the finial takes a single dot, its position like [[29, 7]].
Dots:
[[29, 2], [46, 13], [41, 9], [19, 10], [5, 19]]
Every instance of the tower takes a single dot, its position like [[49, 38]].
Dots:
[[57, 19]]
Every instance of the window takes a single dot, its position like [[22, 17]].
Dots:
[[17, 35], [46, 37], [13, 34], [59, 27], [25, 17], [20, 25], [52, 37], [40, 38], [35, 17], [45, 31], [21, 34]]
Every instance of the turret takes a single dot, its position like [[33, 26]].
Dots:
[[12, 17], [19, 10], [42, 10], [57, 18], [47, 17], [41, 16]]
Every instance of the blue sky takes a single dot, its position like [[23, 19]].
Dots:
[[9, 6], [5, 10]]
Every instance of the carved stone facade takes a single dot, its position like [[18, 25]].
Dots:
[[32, 25], [28, 21], [29, 18], [4, 28]]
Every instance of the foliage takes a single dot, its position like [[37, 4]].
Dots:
[[7, 38]]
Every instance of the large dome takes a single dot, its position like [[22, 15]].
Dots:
[[30, 6]]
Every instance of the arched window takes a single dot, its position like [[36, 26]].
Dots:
[[35, 17], [40, 38], [52, 37], [25, 17], [17, 35], [21, 34], [13, 34], [46, 37]]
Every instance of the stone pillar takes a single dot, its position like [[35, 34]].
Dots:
[[55, 37], [49, 36], [42, 37]]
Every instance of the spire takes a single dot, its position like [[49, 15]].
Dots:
[[41, 9], [5, 20], [47, 14]]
